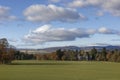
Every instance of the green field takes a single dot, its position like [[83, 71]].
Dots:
[[60, 70]]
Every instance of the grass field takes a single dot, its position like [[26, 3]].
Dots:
[[60, 70]]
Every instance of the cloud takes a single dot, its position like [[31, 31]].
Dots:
[[104, 30], [42, 29], [85, 3], [46, 33], [99, 44], [4, 14], [13, 40], [55, 1], [111, 6], [115, 40], [43, 13]]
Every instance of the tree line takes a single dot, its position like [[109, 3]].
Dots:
[[82, 55], [72, 55], [9, 53]]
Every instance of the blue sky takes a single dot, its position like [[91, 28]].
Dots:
[[50, 23]]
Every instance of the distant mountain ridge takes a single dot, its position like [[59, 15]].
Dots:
[[53, 49], [62, 48]]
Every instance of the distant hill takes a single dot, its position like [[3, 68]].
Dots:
[[110, 47], [53, 49], [80, 48]]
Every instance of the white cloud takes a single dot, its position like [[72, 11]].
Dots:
[[42, 29], [4, 14], [105, 30], [43, 13], [111, 6], [84, 3], [48, 34]]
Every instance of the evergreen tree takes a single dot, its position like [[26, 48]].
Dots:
[[93, 54], [104, 53], [59, 54]]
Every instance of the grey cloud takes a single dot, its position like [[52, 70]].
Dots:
[[100, 44], [54, 1], [47, 33], [111, 6], [12, 40], [43, 13], [4, 14], [115, 40]]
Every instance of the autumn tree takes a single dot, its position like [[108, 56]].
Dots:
[[109, 55], [115, 56], [6, 52]]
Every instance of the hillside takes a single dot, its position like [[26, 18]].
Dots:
[[53, 49]]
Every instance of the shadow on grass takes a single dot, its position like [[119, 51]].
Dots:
[[40, 64]]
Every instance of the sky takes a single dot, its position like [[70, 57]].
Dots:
[[50, 23]]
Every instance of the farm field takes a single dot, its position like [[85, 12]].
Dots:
[[60, 70]]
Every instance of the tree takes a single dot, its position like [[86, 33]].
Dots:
[[59, 54], [109, 55], [72, 55], [104, 53], [118, 59], [93, 53], [115, 56], [6, 52]]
